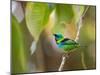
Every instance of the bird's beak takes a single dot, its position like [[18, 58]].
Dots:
[[54, 34]]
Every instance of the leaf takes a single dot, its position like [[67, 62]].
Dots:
[[67, 16], [64, 12], [19, 60], [64, 16], [37, 15], [78, 11]]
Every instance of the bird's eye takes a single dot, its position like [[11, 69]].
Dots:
[[56, 35]]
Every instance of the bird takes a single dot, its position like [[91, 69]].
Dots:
[[66, 44]]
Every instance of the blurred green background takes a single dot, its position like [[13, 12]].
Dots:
[[33, 44]]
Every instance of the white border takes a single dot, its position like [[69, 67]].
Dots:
[[84, 2], [5, 37]]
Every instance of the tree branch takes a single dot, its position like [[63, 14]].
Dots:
[[76, 39], [63, 62]]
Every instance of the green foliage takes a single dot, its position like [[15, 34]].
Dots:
[[64, 14], [50, 18], [67, 17], [37, 15], [78, 12], [19, 58]]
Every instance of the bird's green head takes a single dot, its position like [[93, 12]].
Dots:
[[58, 36]]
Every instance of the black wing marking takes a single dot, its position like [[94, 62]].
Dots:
[[65, 41]]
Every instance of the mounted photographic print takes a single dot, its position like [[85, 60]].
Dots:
[[52, 37]]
